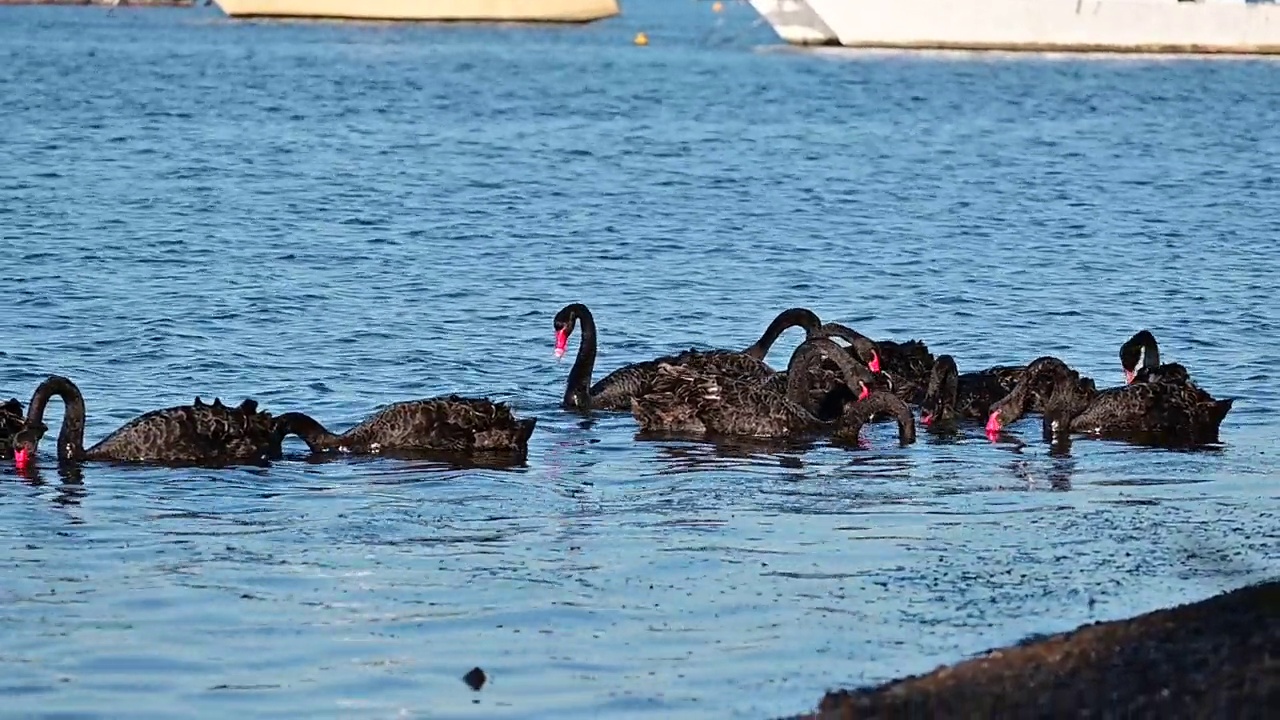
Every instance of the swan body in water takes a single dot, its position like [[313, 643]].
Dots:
[[452, 424], [1162, 408], [615, 390], [687, 400], [196, 434]]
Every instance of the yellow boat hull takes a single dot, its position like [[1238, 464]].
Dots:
[[563, 11]]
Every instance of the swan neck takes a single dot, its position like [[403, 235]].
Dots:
[[799, 369], [858, 413], [71, 434], [1151, 355], [1060, 403], [944, 386], [1031, 380], [906, 422], [578, 392], [863, 346], [811, 352], [785, 320], [306, 427]]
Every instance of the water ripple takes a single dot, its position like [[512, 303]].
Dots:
[[332, 217]]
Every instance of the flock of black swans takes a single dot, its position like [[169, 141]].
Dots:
[[827, 389]]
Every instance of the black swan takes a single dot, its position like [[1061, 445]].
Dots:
[[952, 395], [688, 401], [615, 390], [907, 364], [11, 422], [1166, 409], [829, 390], [1039, 381], [1141, 347], [1031, 394], [449, 424], [200, 433]]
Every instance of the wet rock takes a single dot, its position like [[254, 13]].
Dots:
[[475, 679], [1215, 658]]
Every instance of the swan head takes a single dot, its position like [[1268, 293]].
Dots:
[[24, 445], [1141, 348], [1002, 413], [863, 347], [931, 414], [564, 324]]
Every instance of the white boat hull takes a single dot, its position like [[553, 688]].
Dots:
[[1156, 26], [566, 11], [795, 22]]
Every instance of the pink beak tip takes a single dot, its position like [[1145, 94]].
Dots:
[[993, 424], [562, 343]]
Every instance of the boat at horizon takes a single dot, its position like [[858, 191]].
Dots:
[[1108, 26], [541, 11], [795, 22]]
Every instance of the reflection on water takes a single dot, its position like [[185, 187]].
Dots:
[[330, 217], [70, 483]]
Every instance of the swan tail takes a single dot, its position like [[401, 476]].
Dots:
[[525, 431], [512, 437], [1218, 412]]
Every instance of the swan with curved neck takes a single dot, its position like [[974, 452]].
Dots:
[[685, 400], [830, 394], [908, 363], [450, 424], [199, 433], [792, 317], [875, 404], [615, 390], [1040, 380], [952, 395]]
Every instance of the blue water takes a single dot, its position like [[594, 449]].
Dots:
[[331, 217]]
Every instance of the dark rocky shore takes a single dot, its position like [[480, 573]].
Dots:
[[1218, 658]]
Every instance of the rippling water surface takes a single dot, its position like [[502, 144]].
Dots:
[[331, 217]]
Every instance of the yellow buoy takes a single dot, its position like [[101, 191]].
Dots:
[[641, 39], [717, 6]]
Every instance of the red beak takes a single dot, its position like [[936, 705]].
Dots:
[[562, 342], [865, 392], [875, 362], [993, 424], [1129, 375], [21, 457]]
